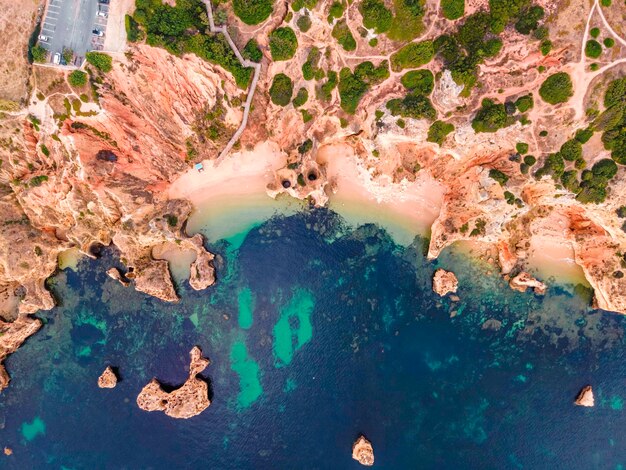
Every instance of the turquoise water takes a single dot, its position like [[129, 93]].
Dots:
[[316, 333]]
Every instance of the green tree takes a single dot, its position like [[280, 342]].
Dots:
[[252, 51], [375, 15], [557, 88], [414, 106], [420, 81], [77, 78], [341, 32], [38, 53], [283, 43], [253, 11], [301, 97], [412, 55], [453, 9], [593, 49], [438, 132], [281, 90], [490, 117], [304, 23], [100, 60], [524, 103]]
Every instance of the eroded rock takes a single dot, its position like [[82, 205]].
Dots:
[[523, 281], [107, 379], [191, 399], [363, 452], [444, 282], [114, 273], [585, 397], [12, 335]]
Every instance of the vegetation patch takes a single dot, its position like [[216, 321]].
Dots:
[[283, 43], [407, 21], [412, 56], [304, 23], [281, 90], [325, 91], [77, 78], [376, 15], [99, 60], [438, 132], [252, 51], [343, 35], [133, 32], [593, 49], [336, 11], [498, 176], [491, 117], [352, 86], [557, 88], [413, 105], [251, 11], [453, 9], [524, 103], [419, 81], [301, 97], [310, 69]]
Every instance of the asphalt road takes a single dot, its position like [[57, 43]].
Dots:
[[69, 24]]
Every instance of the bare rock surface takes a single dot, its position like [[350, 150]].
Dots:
[[191, 399], [107, 379], [585, 397], [444, 282], [12, 335], [523, 281], [363, 452]]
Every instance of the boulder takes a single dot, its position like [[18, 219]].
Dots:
[[444, 282], [523, 281], [107, 379], [585, 397], [363, 452]]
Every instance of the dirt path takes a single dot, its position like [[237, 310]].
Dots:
[[245, 63]]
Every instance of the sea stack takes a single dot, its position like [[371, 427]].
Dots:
[[444, 282], [363, 452], [107, 379], [524, 280], [585, 397], [191, 399]]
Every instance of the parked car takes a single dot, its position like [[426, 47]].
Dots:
[[44, 38], [98, 33], [105, 2], [101, 13], [57, 58]]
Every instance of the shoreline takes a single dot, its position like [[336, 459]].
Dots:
[[230, 199]]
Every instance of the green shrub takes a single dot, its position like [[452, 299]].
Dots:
[[99, 60], [38, 180], [375, 15], [301, 97], [252, 11], [281, 90], [595, 32], [605, 168], [530, 160], [38, 53], [569, 180], [420, 81], [309, 68], [490, 117], [45, 150], [306, 115], [546, 47], [608, 42], [557, 88], [252, 51], [453, 9], [541, 33], [571, 150], [412, 56], [373, 42], [336, 11], [583, 135], [298, 5], [524, 103], [438, 132], [304, 23], [352, 86], [553, 165], [343, 35], [413, 105], [133, 32], [498, 176], [621, 212], [529, 20], [283, 43], [77, 78], [593, 49], [606, 3], [522, 148], [407, 22], [325, 91]]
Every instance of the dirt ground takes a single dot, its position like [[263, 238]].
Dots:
[[17, 22]]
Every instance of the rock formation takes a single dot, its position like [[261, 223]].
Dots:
[[8, 451], [523, 281], [444, 282], [115, 274], [363, 452], [107, 379], [12, 335], [191, 399], [585, 397]]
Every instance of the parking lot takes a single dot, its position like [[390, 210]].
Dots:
[[79, 25]]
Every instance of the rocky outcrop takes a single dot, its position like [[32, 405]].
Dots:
[[12, 335], [115, 274], [363, 452], [444, 282], [585, 397], [523, 281], [108, 378], [191, 399]]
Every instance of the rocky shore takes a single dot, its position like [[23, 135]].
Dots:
[[189, 400]]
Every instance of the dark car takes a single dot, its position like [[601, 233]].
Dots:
[[103, 1]]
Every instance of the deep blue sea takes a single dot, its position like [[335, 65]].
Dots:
[[318, 332]]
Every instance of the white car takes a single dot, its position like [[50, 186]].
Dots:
[[102, 14], [57, 58], [44, 38]]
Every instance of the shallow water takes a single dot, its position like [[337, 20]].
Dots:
[[318, 332]]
